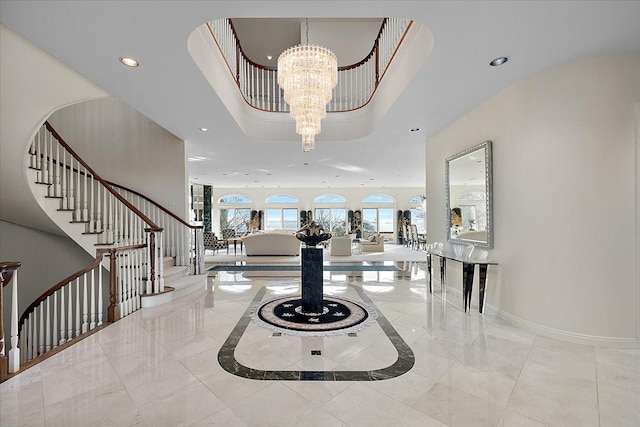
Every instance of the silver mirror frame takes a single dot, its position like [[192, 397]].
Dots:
[[488, 170]]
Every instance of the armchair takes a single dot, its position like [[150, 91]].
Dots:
[[212, 242]]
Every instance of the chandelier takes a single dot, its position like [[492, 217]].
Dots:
[[307, 74]]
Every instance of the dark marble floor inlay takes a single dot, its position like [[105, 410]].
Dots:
[[316, 353], [227, 360], [338, 313]]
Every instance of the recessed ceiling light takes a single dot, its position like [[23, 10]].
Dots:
[[129, 62], [499, 61], [204, 130], [269, 57], [415, 129]]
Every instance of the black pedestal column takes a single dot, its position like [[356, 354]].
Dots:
[[312, 281]]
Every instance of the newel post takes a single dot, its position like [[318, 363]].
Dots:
[[9, 272], [113, 312]]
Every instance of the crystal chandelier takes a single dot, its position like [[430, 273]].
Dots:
[[307, 74]]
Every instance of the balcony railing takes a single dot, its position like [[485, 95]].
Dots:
[[357, 83]]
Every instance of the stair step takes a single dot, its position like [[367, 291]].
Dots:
[[43, 183], [93, 232], [189, 284], [168, 262], [66, 210], [53, 197], [172, 274], [80, 222]]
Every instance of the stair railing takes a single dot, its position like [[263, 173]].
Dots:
[[75, 306], [182, 240], [357, 83], [9, 361], [92, 201]]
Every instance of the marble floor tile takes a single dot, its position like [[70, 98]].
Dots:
[[196, 404], [274, 405], [108, 405], [157, 383], [360, 405], [223, 418], [628, 379], [618, 407], [493, 387], [319, 418], [159, 367], [628, 359], [230, 388], [454, 407], [415, 418]]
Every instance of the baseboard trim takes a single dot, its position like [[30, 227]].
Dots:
[[573, 337]]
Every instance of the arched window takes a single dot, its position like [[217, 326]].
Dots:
[[331, 212], [377, 214], [418, 207], [280, 213], [330, 198], [282, 198], [235, 213]]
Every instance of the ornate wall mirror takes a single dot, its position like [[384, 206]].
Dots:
[[469, 198]]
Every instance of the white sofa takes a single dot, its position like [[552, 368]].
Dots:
[[271, 243], [373, 246], [340, 246]]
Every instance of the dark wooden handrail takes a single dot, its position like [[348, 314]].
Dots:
[[374, 51], [343, 68], [99, 255], [152, 225], [165, 210]]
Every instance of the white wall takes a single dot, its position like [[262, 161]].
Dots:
[[127, 148], [32, 85], [46, 259], [564, 185]]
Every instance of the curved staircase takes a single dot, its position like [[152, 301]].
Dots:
[[144, 254]]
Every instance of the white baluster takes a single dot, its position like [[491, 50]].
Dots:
[[85, 201], [92, 325], [150, 254], [63, 183], [85, 305], [91, 217], [138, 280], [78, 211], [70, 314], [109, 220], [47, 330], [22, 344], [100, 294], [130, 295], [56, 172], [63, 316], [120, 223], [40, 349], [32, 344], [14, 352], [99, 208], [119, 287], [160, 262], [71, 197], [77, 325], [54, 329]]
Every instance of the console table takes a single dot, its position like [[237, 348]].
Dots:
[[468, 269], [235, 241]]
